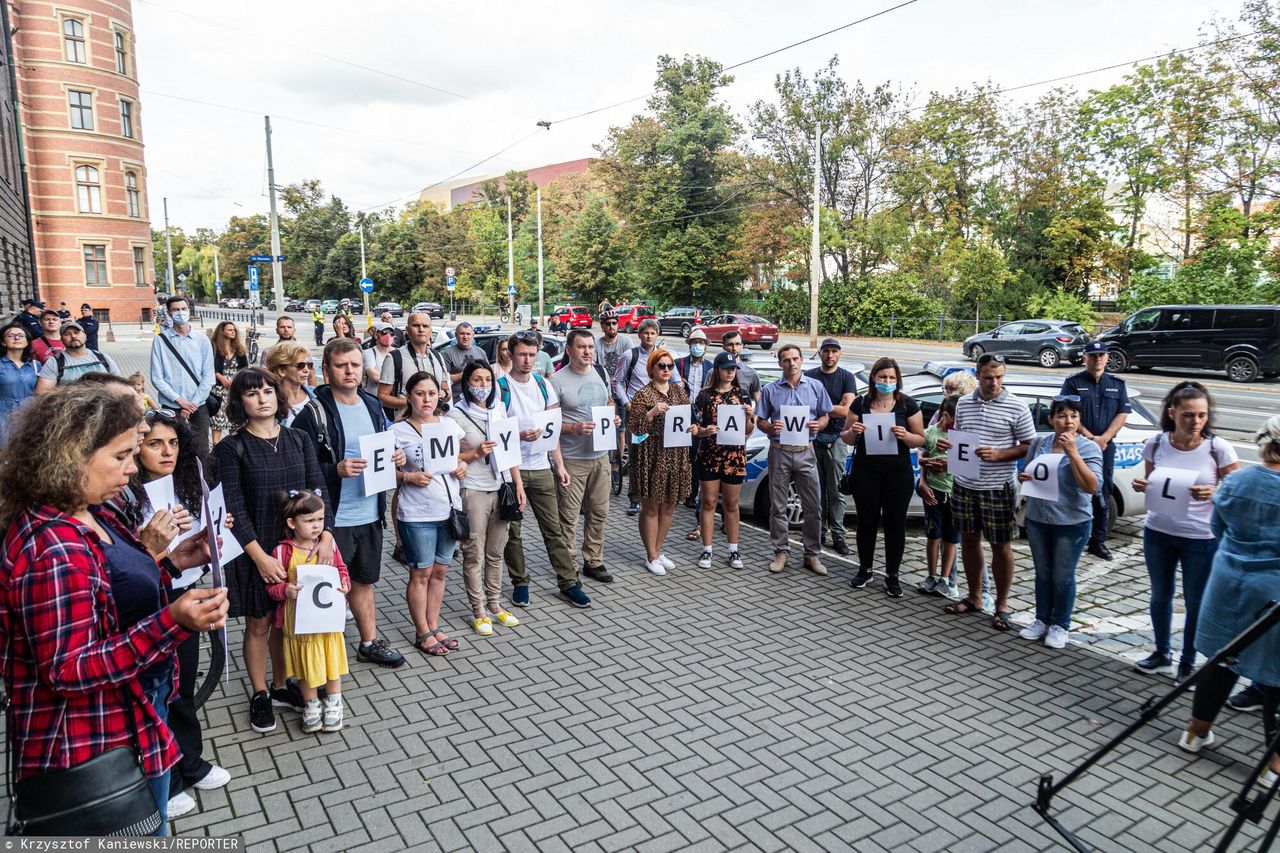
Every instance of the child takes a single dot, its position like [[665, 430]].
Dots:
[[313, 659], [935, 490], [139, 383]]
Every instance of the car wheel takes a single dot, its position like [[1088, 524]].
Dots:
[[1242, 368], [1118, 362], [1049, 357], [685, 330], [766, 345], [976, 351]]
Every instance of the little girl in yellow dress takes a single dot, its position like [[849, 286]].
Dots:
[[313, 659]]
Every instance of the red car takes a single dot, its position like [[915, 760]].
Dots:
[[755, 330], [574, 316], [631, 316]]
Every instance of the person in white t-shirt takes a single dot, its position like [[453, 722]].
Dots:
[[422, 515], [1186, 441]]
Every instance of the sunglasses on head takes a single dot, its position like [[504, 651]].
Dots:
[[990, 358], [527, 335], [1067, 398], [163, 414]]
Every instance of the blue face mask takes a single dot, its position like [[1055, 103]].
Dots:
[[885, 389], [696, 350], [179, 318]]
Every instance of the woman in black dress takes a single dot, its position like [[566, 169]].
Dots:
[[258, 465]]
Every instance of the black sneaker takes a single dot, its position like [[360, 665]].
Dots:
[[892, 587], [861, 579], [840, 548], [288, 696], [1100, 550], [261, 717], [1184, 671], [575, 596], [380, 653], [1247, 700], [598, 573], [634, 509], [1155, 664]]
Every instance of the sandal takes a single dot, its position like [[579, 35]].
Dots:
[[435, 649], [961, 607], [1001, 621], [694, 535], [450, 643]]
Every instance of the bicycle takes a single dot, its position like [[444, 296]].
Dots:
[[207, 681], [506, 316], [253, 345]]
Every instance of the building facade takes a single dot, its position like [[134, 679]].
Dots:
[[447, 196], [82, 130], [17, 278]]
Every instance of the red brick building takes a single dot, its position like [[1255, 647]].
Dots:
[[82, 132]]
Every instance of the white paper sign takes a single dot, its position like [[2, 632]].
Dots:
[[217, 560], [160, 495], [731, 425], [197, 527], [1044, 470], [795, 429], [548, 425], [962, 458], [380, 473], [217, 511], [321, 606], [439, 448], [1169, 491], [504, 433], [879, 437], [605, 435], [675, 428]]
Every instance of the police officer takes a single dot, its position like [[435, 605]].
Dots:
[[1104, 408]]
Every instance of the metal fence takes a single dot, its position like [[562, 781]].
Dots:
[[930, 327]]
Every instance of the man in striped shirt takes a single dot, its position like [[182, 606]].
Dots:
[[983, 506]]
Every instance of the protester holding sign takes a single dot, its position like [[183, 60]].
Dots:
[[883, 419], [313, 659], [428, 496], [1186, 441], [477, 408], [660, 474], [723, 406], [1059, 523]]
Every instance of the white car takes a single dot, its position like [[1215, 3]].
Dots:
[[926, 389]]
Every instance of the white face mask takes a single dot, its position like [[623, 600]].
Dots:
[[479, 393]]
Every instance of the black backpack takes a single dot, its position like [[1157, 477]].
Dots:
[[62, 363]]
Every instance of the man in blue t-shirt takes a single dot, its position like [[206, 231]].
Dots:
[[831, 452]]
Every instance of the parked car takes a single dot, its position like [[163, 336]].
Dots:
[[755, 330], [1046, 342], [553, 345], [293, 305], [631, 316], [574, 316], [681, 320], [395, 308], [311, 305], [926, 389], [432, 309], [330, 306], [233, 302], [1242, 340]]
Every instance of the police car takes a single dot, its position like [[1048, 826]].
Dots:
[[925, 387]]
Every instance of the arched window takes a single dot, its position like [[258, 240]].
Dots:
[[88, 189], [73, 41], [131, 193]]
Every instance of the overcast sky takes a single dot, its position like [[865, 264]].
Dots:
[[517, 63]]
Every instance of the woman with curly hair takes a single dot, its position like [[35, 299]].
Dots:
[[87, 634], [229, 358]]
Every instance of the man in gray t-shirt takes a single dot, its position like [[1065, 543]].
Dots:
[[73, 362], [580, 385], [611, 346], [460, 354]]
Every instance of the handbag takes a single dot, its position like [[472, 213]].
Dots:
[[213, 403], [508, 503], [459, 522], [106, 795]]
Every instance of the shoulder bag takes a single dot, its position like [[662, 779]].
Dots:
[[213, 403], [459, 523], [508, 503]]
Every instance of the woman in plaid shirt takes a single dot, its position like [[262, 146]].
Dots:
[[78, 634]]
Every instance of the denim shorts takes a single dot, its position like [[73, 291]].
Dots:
[[426, 542]]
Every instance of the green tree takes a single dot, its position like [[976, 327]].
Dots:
[[981, 272], [317, 225], [588, 254]]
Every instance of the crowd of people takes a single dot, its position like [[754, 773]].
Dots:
[[103, 598]]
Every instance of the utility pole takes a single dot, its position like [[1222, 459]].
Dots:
[[363, 275], [541, 308], [168, 250], [277, 273], [217, 277], [511, 265], [815, 250]]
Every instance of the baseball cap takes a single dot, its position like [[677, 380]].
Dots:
[[47, 311], [725, 359], [830, 343], [383, 327], [1096, 348], [71, 324], [697, 335]]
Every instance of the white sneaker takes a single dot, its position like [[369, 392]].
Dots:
[[735, 560], [215, 778], [1056, 638], [332, 713], [1267, 778], [311, 717], [655, 567], [1191, 742], [704, 562], [180, 804], [666, 563], [1035, 631]]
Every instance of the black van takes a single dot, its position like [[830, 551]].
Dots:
[[1243, 340]]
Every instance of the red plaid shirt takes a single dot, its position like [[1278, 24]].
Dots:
[[61, 654]]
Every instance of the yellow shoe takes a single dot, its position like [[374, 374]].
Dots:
[[505, 619], [484, 626]]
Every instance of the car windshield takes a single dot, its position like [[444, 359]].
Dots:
[[752, 318], [1073, 329]]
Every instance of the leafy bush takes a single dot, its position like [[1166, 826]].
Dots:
[[1060, 305], [894, 300]]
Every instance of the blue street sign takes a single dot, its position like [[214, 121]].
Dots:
[[366, 285], [280, 258], [217, 286], [511, 289], [450, 282], [253, 278], [261, 259]]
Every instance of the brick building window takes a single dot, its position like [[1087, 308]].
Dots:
[[88, 189], [131, 193], [95, 264], [73, 41], [140, 266], [126, 119], [81, 110], [122, 54]]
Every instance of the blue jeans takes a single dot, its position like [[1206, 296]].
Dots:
[[1056, 550], [1164, 552], [158, 695], [426, 543]]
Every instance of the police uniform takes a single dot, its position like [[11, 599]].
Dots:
[[1100, 402]]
